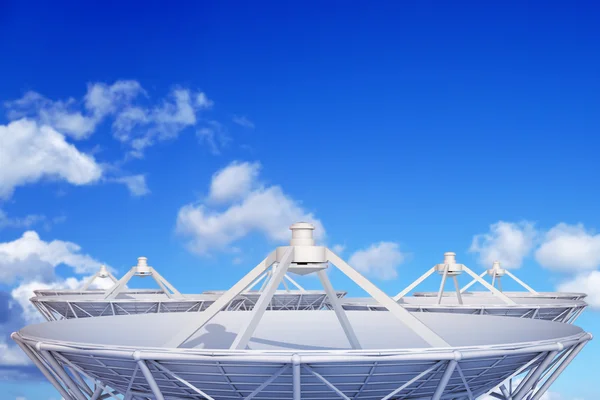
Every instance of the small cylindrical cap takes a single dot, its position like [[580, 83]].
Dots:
[[302, 234]]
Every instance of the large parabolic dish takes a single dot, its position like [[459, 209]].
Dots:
[[296, 354], [321, 354]]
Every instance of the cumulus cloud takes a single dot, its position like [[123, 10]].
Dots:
[[257, 208], [380, 260], [569, 248], [507, 242], [587, 282], [30, 152], [31, 258], [12, 355], [233, 182]]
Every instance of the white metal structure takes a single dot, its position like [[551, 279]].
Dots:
[[120, 300], [103, 273], [558, 307], [325, 354], [566, 311]]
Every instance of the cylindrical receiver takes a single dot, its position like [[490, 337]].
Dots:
[[103, 273], [142, 266], [302, 234], [449, 257]]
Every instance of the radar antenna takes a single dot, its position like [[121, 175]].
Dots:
[[142, 269], [102, 273], [449, 268], [302, 257]]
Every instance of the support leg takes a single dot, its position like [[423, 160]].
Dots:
[[444, 381], [244, 335], [441, 291], [414, 284], [394, 308], [120, 285], [489, 287], [520, 282], [458, 295], [187, 331], [339, 311], [474, 281]]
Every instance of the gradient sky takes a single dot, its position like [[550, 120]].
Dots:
[[405, 129]]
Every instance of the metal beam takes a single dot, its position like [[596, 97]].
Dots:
[[540, 392], [442, 284], [267, 382], [112, 292], [58, 369], [458, 296], [520, 282], [413, 380], [296, 377], [150, 379], [162, 282], [188, 330], [444, 381], [38, 363], [339, 311], [245, 334], [495, 291], [326, 382], [468, 285], [398, 311], [528, 384], [414, 284]]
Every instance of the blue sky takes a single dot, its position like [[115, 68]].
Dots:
[[404, 129]]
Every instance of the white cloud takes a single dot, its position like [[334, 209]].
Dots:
[[264, 209], [587, 282], [380, 260], [20, 222], [31, 258], [214, 135], [60, 115], [142, 127], [233, 182], [12, 355], [569, 248], [243, 121], [135, 183], [102, 99], [338, 248], [506, 242], [30, 153]]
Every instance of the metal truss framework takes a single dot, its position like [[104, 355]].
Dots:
[[97, 373], [450, 269], [496, 272], [565, 314], [58, 309]]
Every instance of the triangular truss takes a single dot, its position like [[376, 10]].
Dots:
[[301, 257], [450, 269], [102, 273], [497, 272], [142, 269]]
